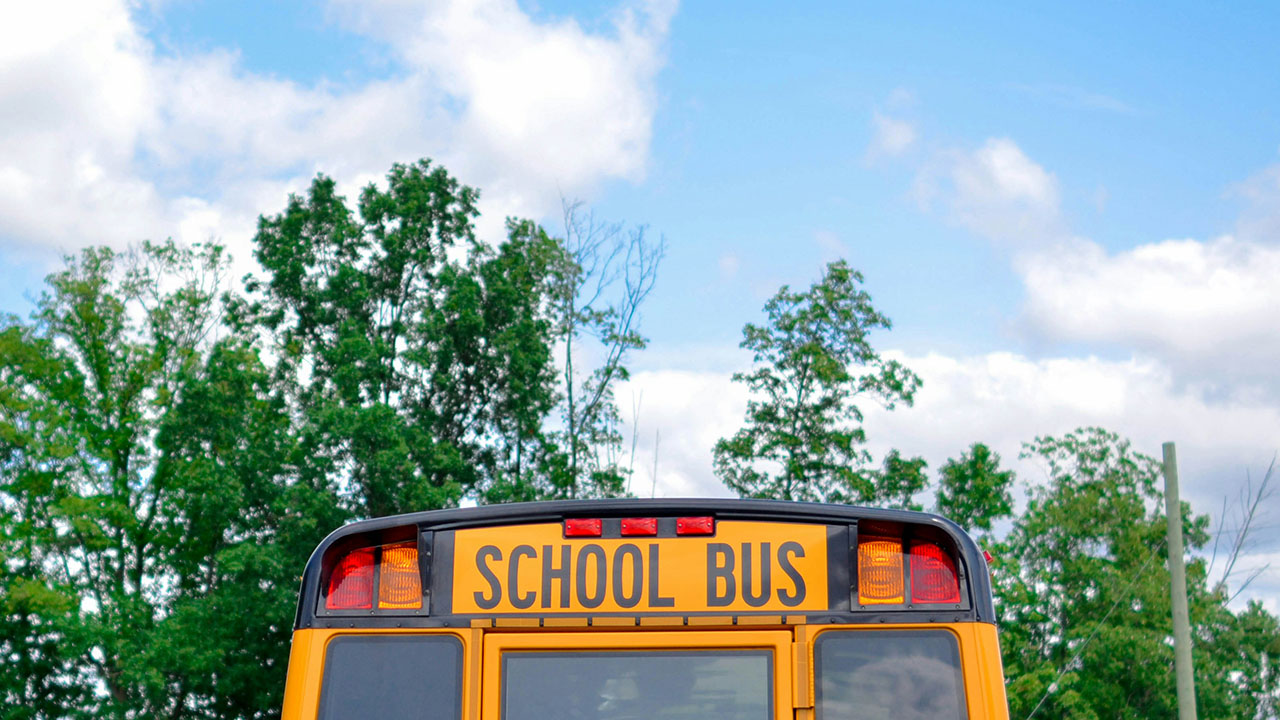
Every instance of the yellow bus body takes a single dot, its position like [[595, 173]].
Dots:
[[494, 607]]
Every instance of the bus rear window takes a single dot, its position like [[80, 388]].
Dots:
[[406, 678], [671, 685], [889, 675]]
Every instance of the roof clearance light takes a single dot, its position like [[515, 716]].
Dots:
[[696, 526], [351, 585], [400, 582], [640, 526], [880, 576], [583, 527], [933, 575]]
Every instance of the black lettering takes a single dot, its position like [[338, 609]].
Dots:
[[513, 580], [561, 574], [655, 595], [716, 570], [637, 576], [591, 601], [488, 602], [766, 566], [787, 598]]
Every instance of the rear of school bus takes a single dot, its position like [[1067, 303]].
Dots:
[[632, 610]]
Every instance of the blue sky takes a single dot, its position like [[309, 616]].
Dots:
[[1071, 214]]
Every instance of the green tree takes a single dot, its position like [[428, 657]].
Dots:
[[973, 490], [417, 356], [1083, 597], [803, 438], [147, 516]]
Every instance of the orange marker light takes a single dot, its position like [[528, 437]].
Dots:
[[880, 576], [400, 583]]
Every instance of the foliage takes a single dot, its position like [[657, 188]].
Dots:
[[418, 357], [973, 490], [803, 436], [143, 457], [1083, 597]]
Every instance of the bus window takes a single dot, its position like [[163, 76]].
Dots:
[[886, 675], [416, 677], [663, 685]]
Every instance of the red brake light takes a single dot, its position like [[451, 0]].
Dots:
[[640, 526], [696, 526], [351, 585], [933, 575], [583, 527]]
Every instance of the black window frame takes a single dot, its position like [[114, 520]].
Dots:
[[771, 666], [327, 688], [962, 700]]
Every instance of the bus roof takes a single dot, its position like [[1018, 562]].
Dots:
[[424, 526]]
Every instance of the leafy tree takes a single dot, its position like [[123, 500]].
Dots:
[[417, 356], [973, 490], [144, 493], [1083, 597], [803, 436]]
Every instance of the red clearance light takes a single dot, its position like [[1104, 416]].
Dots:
[[640, 526], [933, 575], [351, 585], [695, 526], [583, 527]]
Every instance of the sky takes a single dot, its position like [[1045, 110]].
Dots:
[[1072, 215]]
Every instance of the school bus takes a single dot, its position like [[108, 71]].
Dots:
[[639, 610]]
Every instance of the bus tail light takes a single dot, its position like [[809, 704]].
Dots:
[[400, 582], [351, 585], [933, 575], [880, 575]]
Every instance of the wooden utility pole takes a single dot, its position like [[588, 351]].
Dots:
[[1182, 667]]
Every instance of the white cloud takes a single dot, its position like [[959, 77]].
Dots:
[[892, 136], [729, 264], [682, 415], [105, 140], [996, 191], [833, 248], [1261, 217], [1209, 309]]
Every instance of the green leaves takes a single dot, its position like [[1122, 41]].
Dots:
[[803, 436]]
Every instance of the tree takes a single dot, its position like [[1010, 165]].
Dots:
[[144, 493], [1083, 597], [973, 490], [417, 356], [606, 275], [803, 436]]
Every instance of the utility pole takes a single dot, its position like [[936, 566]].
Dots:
[[1182, 667]]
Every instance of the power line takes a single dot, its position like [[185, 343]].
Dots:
[[1124, 596]]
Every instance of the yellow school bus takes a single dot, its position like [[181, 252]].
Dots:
[[640, 610]]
